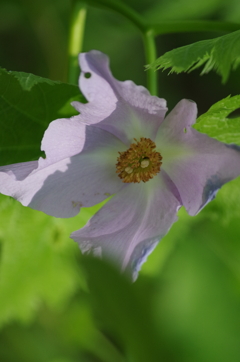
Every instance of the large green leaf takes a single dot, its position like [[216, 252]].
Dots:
[[219, 54], [28, 103]]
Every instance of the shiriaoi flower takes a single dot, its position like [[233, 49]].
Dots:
[[120, 144]]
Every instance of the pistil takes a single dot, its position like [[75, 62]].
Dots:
[[140, 162]]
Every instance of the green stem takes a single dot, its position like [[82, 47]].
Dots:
[[167, 27], [148, 37], [150, 53], [76, 39], [125, 10]]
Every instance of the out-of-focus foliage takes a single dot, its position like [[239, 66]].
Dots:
[[216, 124], [123, 312], [198, 300], [220, 54], [183, 9], [38, 260], [230, 10]]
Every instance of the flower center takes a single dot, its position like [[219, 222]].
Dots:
[[140, 162]]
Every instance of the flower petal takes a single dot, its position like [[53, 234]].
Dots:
[[63, 138], [122, 108], [62, 187], [131, 224], [198, 165], [19, 171], [183, 115]]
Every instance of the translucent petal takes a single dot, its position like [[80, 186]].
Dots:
[[197, 164], [131, 224], [61, 188], [122, 108]]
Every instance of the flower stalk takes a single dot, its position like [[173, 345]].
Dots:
[[76, 39], [151, 56]]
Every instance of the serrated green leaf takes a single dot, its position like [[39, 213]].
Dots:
[[28, 103], [220, 54], [28, 80], [215, 122]]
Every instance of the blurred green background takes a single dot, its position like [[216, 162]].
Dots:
[[55, 305]]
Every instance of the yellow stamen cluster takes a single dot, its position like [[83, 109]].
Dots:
[[140, 162]]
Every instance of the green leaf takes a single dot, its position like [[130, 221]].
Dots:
[[28, 80], [28, 103], [220, 54], [215, 122]]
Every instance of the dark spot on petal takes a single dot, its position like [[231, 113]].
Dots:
[[210, 190], [107, 194], [77, 204], [140, 254], [87, 75]]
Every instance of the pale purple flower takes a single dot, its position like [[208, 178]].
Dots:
[[107, 146]]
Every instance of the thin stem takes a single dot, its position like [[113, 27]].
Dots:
[[150, 54], [125, 10], [167, 27], [76, 39]]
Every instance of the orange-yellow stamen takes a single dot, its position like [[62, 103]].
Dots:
[[140, 162]]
